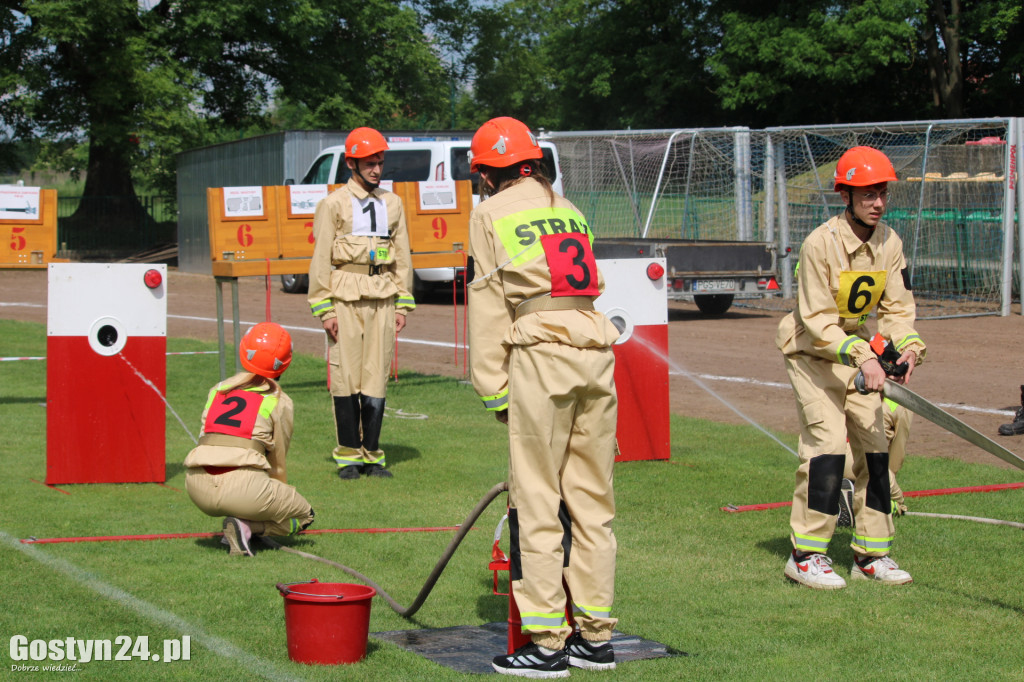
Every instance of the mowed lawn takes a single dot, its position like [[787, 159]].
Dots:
[[706, 583]]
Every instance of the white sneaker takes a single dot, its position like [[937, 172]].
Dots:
[[238, 534], [883, 569], [814, 571]]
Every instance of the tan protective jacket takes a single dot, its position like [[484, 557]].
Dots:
[[272, 427], [336, 245], [510, 267], [840, 281]]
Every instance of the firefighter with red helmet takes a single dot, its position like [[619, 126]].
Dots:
[[237, 470], [849, 267], [542, 362], [360, 278]]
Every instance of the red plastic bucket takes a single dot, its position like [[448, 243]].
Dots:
[[327, 623]]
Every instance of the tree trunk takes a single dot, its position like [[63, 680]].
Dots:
[[945, 68], [109, 215]]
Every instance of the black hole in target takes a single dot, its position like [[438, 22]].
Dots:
[[107, 335], [619, 323]]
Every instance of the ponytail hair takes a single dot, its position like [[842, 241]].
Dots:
[[503, 178]]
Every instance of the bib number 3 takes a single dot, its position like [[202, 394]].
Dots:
[[571, 264]]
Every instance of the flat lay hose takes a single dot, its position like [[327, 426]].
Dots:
[[409, 611]]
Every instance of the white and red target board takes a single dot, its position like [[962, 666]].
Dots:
[[635, 299], [106, 373]]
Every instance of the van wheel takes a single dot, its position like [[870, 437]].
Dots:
[[713, 304], [295, 284]]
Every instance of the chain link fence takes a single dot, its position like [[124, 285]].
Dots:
[[954, 206]]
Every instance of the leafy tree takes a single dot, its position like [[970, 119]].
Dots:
[[140, 81], [817, 61], [593, 63], [975, 55], [813, 61]]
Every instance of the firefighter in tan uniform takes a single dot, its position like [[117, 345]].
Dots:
[[360, 277], [850, 266], [238, 468], [541, 360]]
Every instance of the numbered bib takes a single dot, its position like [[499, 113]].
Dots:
[[233, 413], [859, 292], [571, 264], [370, 217]]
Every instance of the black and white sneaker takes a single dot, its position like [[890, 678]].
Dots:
[[591, 655], [845, 504], [529, 661]]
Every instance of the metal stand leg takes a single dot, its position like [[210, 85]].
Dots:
[[220, 325]]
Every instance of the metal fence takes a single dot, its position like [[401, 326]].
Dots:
[[113, 226], [954, 206]]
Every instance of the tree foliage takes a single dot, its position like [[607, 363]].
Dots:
[[821, 61], [139, 86], [136, 86]]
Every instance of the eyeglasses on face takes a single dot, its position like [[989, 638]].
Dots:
[[871, 197]]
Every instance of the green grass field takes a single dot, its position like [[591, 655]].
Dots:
[[691, 576]]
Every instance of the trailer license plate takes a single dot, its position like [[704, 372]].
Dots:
[[715, 285]]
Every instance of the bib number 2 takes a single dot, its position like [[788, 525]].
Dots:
[[571, 264]]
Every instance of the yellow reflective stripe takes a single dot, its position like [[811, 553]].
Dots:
[[593, 611], [344, 456], [496, 402], [406, 302], [374, 457], [542, 621], [891, 404], [843, 353], [809, 543], [268, 405], [321, 307], [871, 544], [520, 233], [909, 338]]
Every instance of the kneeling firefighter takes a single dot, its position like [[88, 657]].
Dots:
[[237, 470]]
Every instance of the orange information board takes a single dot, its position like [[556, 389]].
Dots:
[[28, 227], [437, 215], [261, 230]]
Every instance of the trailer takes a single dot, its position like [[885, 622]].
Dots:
[[710, 273]]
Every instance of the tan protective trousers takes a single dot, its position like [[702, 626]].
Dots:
[[831, 410], [251, 494], [360, 360], [897, 421], [562, 415]]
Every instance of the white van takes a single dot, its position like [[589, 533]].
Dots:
[[412, 160]]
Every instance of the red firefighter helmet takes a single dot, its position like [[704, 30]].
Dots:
[[266, 349], [862, 167], [502, 142], [363, 142]]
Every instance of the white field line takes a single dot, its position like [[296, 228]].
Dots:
[[220, 647], [446, 344]]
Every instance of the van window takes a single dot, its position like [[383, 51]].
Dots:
[[319, 172], [412, 165], [460, 165]]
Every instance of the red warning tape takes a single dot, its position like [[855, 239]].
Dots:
[[914, 493], [177, 536]]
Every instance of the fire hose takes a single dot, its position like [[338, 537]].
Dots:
[[408, 611]]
